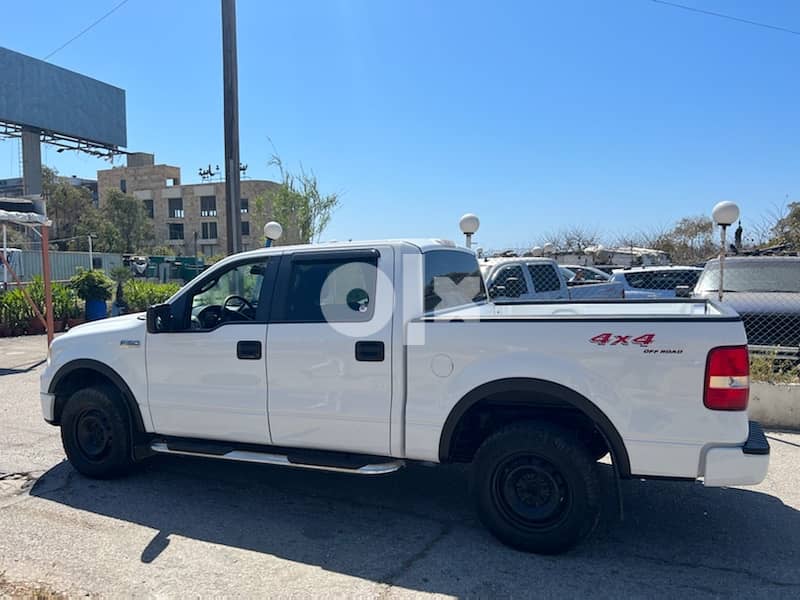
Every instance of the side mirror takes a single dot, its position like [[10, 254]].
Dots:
[[159, 318], [683, 291], [497, 291]]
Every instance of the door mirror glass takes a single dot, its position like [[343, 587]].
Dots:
[[683, 291], [159, 318]]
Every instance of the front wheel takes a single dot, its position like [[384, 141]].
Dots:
[[536, 487], [95, 432]]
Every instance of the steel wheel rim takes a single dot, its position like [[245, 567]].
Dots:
[[93, 434], [530, 491]]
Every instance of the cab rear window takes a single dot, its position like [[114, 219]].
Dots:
[[452, 278]]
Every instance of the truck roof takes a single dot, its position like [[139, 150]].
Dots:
[[423, 245]]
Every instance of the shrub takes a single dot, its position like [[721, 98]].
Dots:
[[14, 310], [771, 369], [140, 295], [91, 285]]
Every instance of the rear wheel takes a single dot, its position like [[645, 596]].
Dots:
[[536, 487], [95, 432]]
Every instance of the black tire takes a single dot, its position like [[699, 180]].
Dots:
[[95, 432], [536, 487]]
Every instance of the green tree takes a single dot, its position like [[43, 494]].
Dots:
[[105, 235], [787, 228], [120, 225], [297, 204], [128, 215], [66, 206]]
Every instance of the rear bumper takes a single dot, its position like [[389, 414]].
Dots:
[[740, 465]]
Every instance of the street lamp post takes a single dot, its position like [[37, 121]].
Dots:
[[469, 224], [272, 231], [724, 214]]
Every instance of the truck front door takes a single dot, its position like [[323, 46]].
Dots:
[[329, 351], [206, 371]]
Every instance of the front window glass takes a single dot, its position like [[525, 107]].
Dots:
[[233, 295]]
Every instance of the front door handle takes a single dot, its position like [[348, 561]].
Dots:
[[369, 351], [248, 350]]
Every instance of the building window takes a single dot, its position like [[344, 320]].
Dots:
[[176, 209], [123, 186], [245, 227], [208, 206], [176, 231], [245, 206], [208, 250], [148, 207], [209, 231]]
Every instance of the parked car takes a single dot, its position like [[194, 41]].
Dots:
[[358, 357], [765, 291], [584, 274], [522, 278], [655, 282]]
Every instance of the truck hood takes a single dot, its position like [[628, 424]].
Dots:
[[125, 326]]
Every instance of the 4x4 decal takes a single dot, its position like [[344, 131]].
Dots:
[[616, 339]]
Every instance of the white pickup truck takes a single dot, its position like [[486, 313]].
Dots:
[[360, 357], [523, 278]]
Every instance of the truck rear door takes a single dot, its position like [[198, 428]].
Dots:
[[329, 350], [546, 282]]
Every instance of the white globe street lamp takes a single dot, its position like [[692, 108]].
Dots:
[[469, 224], [724, 214], [272, 231]]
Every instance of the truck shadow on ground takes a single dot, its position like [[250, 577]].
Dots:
[[417, 528]]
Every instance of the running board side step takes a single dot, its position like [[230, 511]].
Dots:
[[282, 460]]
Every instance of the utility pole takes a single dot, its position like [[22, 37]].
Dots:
[[230, 84]]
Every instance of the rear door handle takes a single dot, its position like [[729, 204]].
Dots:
[[248, 350], [370, 351]]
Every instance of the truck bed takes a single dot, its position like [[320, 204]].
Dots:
[[627, 358], [628, 310]]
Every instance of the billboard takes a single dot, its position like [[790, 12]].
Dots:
[[36, 94]]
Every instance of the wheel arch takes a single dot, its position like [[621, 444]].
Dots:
[[535, 393], [69, 377]]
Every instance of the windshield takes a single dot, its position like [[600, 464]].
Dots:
[[752, 277]]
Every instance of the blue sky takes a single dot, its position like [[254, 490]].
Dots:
[[619, 115]]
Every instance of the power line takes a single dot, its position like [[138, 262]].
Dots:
[[69, 41], [724, 16]]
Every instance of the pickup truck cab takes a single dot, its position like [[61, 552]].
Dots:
[[360, 357], [522, 278]]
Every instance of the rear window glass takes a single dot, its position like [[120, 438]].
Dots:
[[452, 279], [662, 280], [760, 276], [545, 278]]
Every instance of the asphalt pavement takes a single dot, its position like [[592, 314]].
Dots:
[[194, 527]]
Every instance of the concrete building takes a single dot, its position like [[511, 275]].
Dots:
[[190, 218]]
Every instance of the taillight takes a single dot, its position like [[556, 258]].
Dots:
[[727, 378]]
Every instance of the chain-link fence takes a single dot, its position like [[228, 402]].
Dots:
[[765, 291]]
